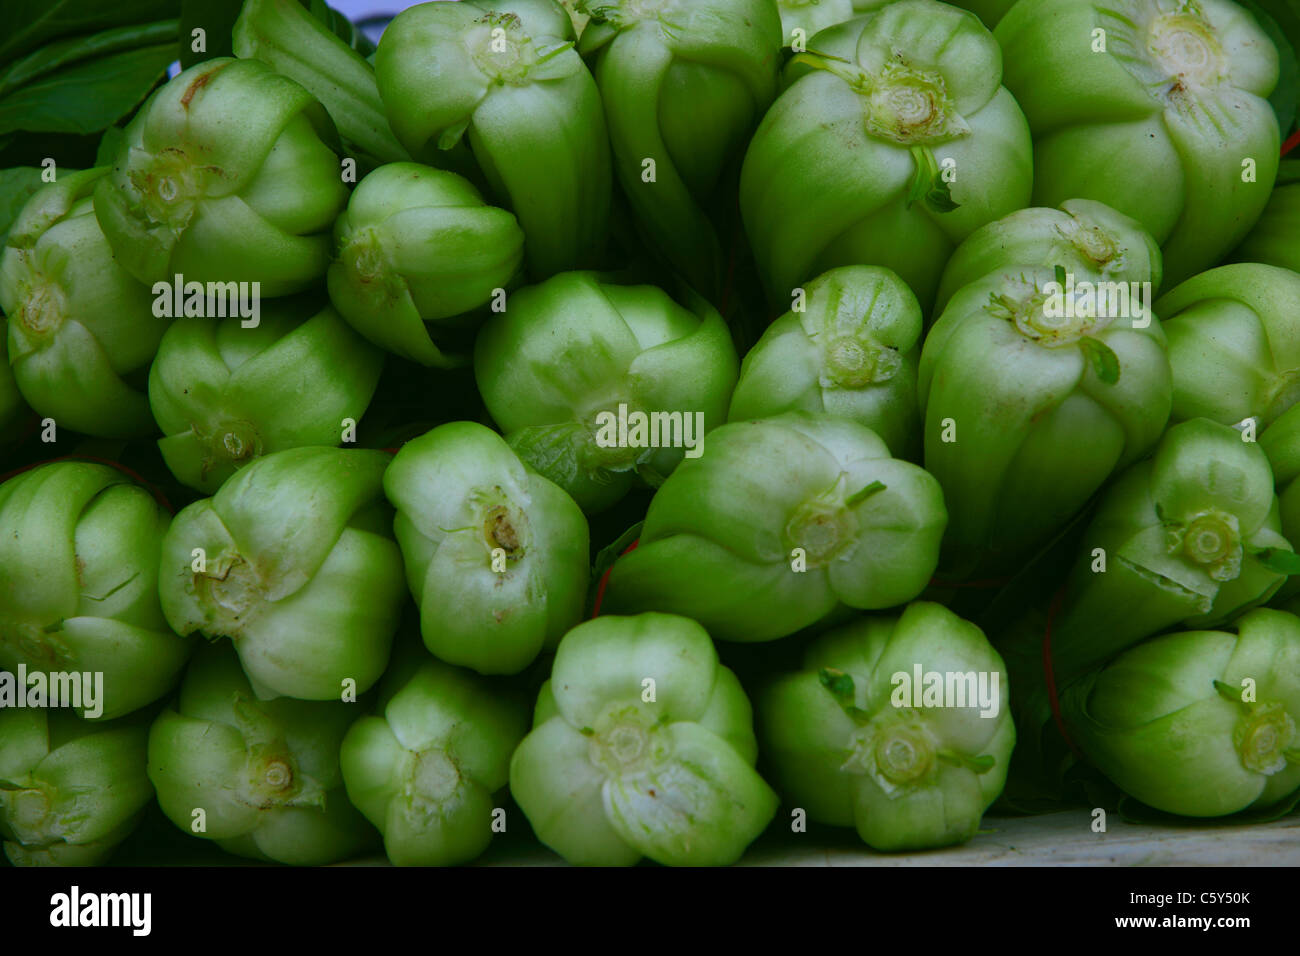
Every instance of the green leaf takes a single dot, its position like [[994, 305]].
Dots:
[[26, 26], [216, 18], [109, 144], [85, 84], [1105, 363]]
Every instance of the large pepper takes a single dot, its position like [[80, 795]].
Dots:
[[260, 777], [79, 552], [684, 84], [81, 330], [425, 768], [226, 174], [70, 790], [417, 245], [496, 555], [642, 745], [505, 76], [849, 347], [897, 726], [571, 365], [275, 561], [1154, 107], [892, 142], [225, 394], [1200, 723], [1034, 394], [1234, 343], [781, 522]]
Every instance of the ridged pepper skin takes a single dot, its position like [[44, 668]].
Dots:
[[418, 245], [850, 348], [12, 406], [1234, 343], [850, 744], [684, 83], [224, 395], [80, 329], [496, 556], [1029, 409], [781, 522], [425, 767], [1275, 238], [1199, 723], [505, 77], [261, 778], [1088, 239], [642, 746], [79, 559], [275, 561], [226, 174], [566, 354], [1166, 122], [70, 790], [896, 117]]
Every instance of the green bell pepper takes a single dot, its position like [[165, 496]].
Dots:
[[1165, 121], [70, 790], [1088, 239], [570, 360], [81, 329], [505, 76], [1281, 443], [226, 174], [849, 347], [1019, 453], [897, 726], [225, 394], [784, 521], [79, 558], [642, 745], [684, 83], [1234, 343], [259, 777], [425, 767], [891, 144], [496, 556], [1200, 723], [275, 561], [418, 245]]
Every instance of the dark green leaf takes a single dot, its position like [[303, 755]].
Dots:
[[216, 18], [26, 26], [89, 96]]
